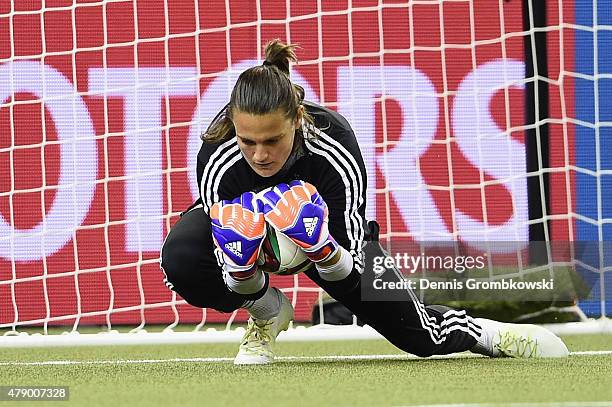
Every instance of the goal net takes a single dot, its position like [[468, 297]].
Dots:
[[479, 122]]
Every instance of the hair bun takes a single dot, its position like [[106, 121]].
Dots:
[[280, 55]]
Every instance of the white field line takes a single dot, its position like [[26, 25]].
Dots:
[[331, 358], [529, 404]]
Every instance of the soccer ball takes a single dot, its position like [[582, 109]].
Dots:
[[279, 255]]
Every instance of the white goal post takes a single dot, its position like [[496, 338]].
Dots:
[[465, 124]]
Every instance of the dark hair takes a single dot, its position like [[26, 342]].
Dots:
[[260, 90]]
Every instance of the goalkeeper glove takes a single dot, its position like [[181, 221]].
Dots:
[[298, 211], [238, 229]]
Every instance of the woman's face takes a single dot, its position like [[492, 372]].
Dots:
[[265, 140]]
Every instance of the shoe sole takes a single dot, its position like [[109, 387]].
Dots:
[[243, 360]]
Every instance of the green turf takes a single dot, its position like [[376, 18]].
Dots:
[[314, 382]]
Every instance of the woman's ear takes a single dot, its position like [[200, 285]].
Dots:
[[299, 116]]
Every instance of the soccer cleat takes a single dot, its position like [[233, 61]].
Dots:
[[518, 341], [258, 341]]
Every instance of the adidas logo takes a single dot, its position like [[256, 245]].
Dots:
[[310, 224], [235, 247]]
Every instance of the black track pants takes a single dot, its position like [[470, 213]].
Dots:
[[190, 268]]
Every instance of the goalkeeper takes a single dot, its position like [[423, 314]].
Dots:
[[269, 156]]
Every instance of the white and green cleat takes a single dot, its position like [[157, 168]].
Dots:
[[519, 341], [258, 341]]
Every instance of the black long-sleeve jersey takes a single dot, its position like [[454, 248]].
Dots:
[[327, 156]]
